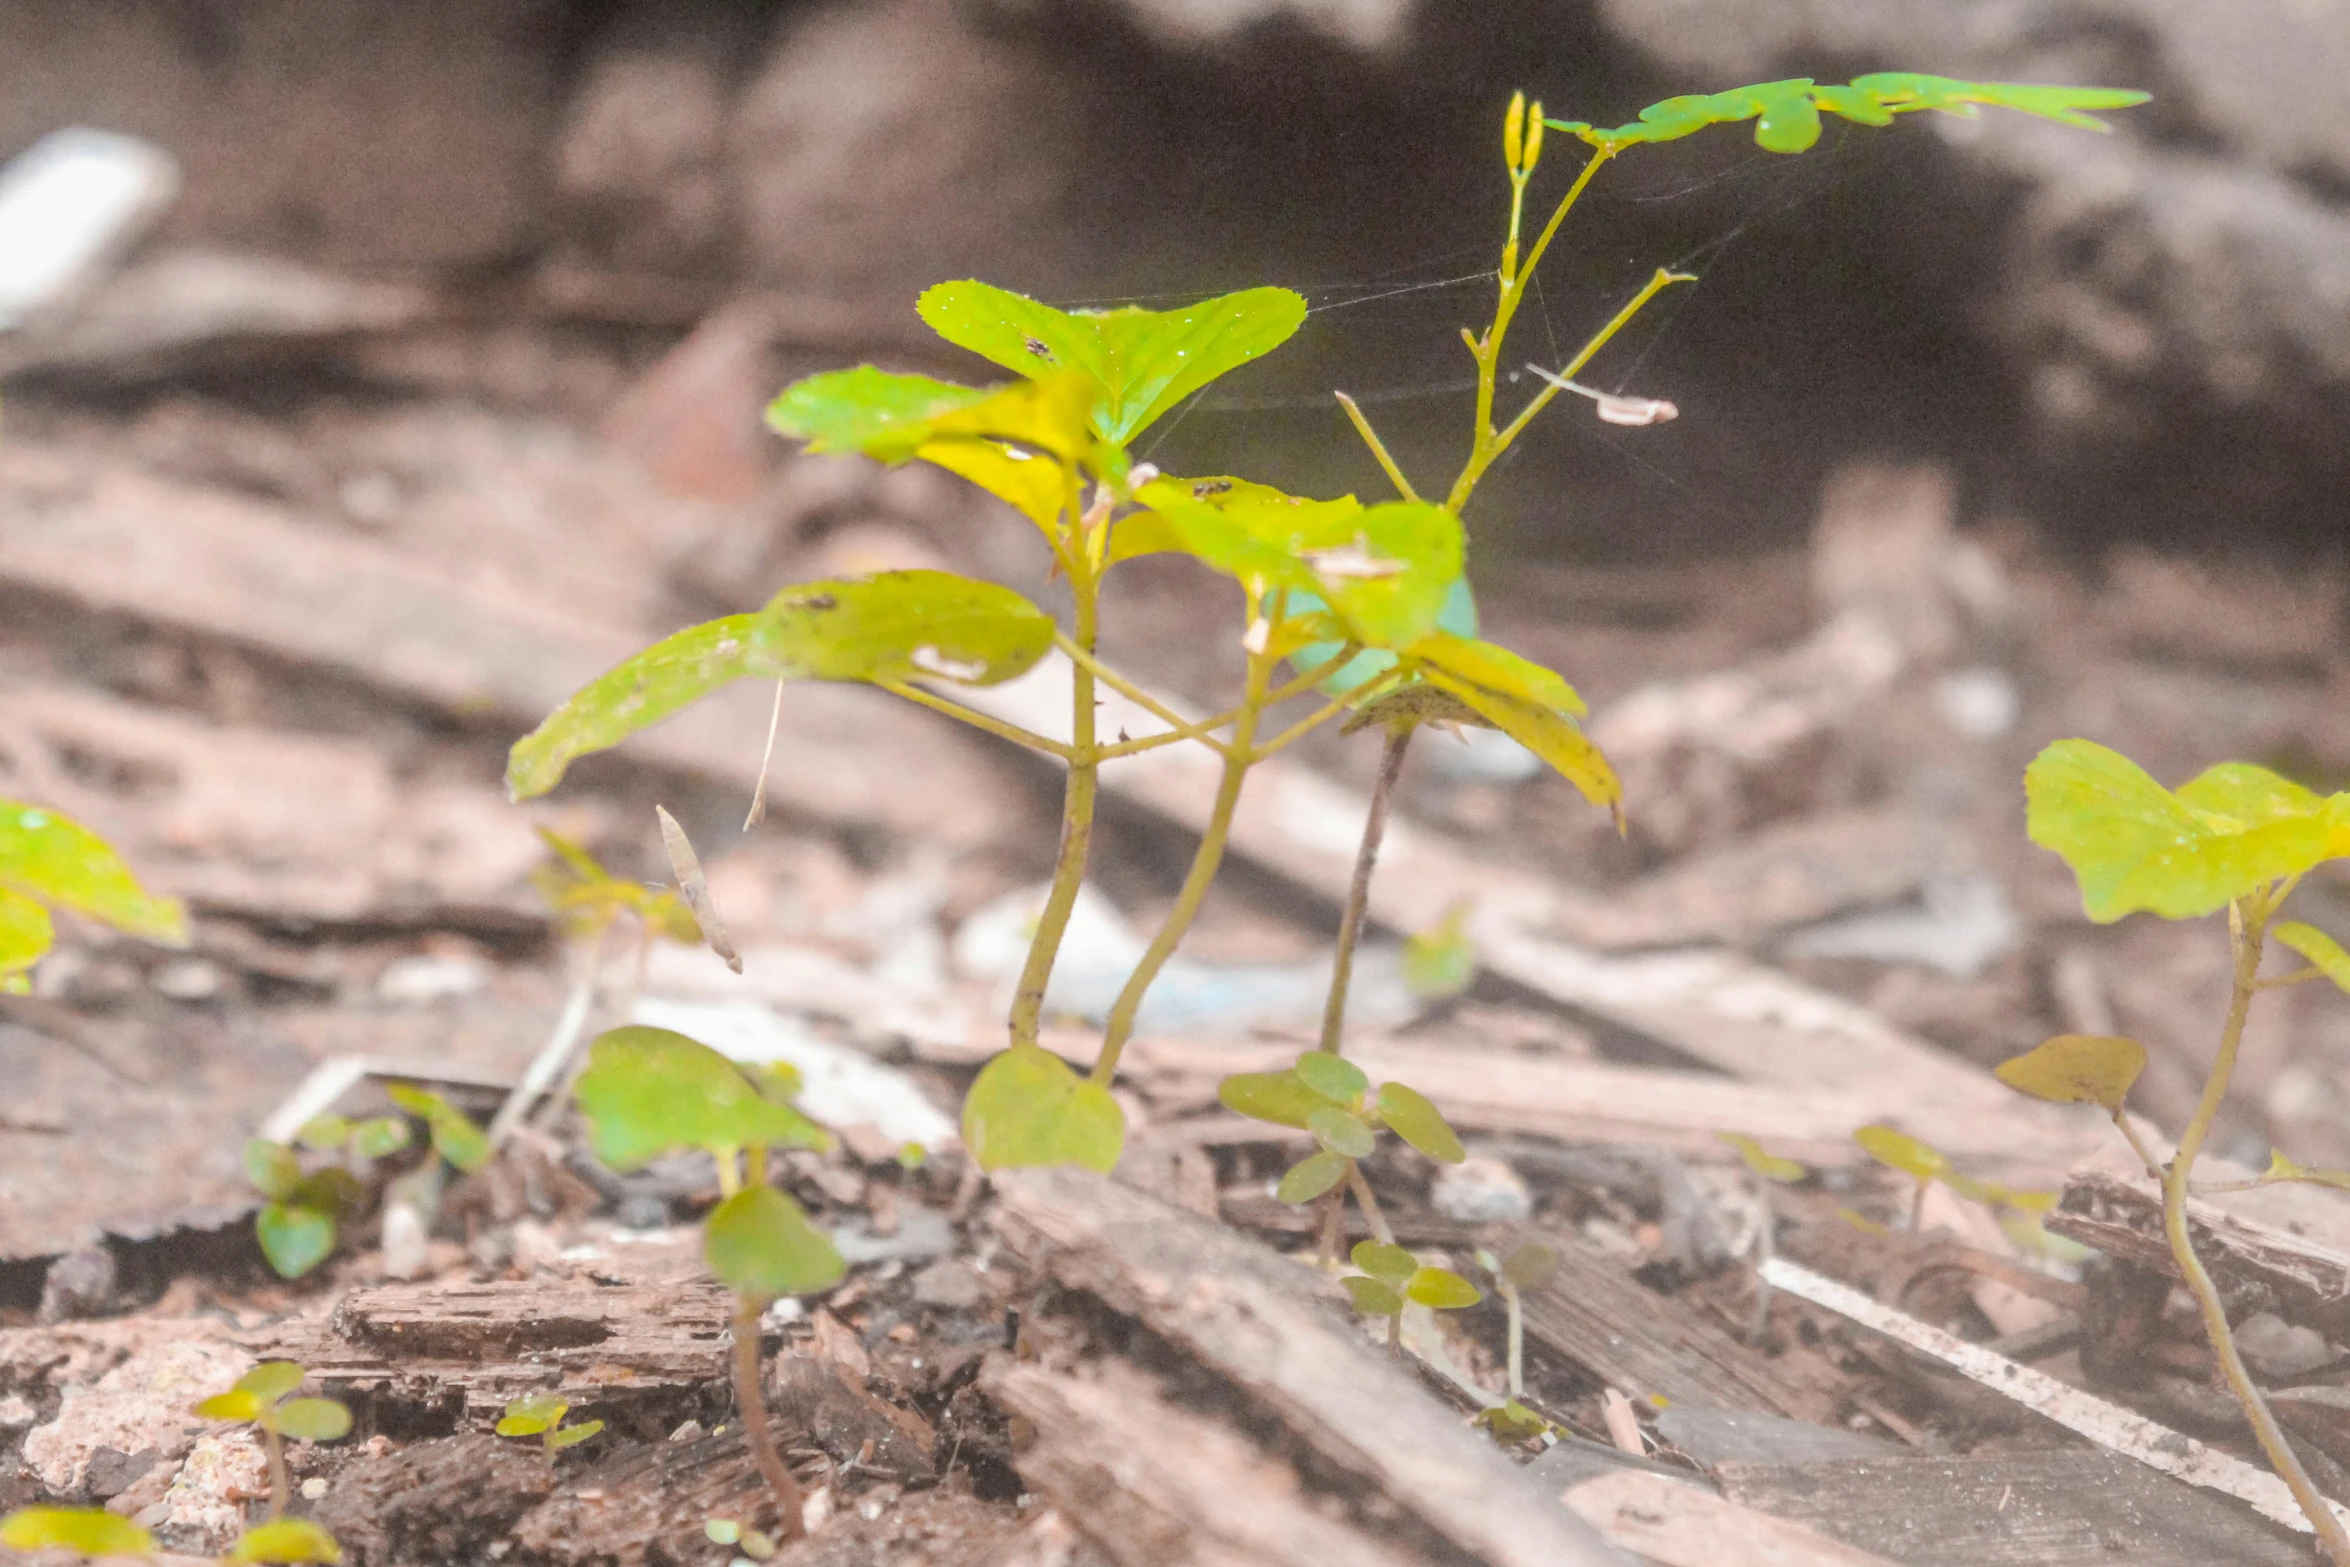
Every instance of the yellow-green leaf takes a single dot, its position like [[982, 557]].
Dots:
[[1551, 735], [572, 1436], [1531, 1265], [1145, 361], [2323, 951], [378, 1136], [1441, 1289], [286, 1540], [2093, 1069], [235, 1404], [876, 412], [1334, 1077], [1028, 1107], [1491, 667], [1441, 961], [1384, 1260], [271, 1380], [1341, 1132], [1282, 1098], [1310, 1177], [454, 1136], [1409, 1114], [649, 1091], [1787, 113], [273, 1168], [1903, 1152], [314, 1419], [533, 1415], [87, 1531], [294, 1238], [1763, 1163], [759, 1243], [1371, 1297], [2134, 845], [57, 860], [25, 936], [1512, 1421]]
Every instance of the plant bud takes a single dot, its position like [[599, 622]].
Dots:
[[1533, 139], [1513, 131]]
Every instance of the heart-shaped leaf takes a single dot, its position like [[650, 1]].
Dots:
[[86, 1531], [649, 1091], [533, 1415], [57, 860], [294, 1238], [2324, 953], [286, 1540], [760, 1244], [1371, 1297], [1384, 1260], [1028, 1107], [273, 1168], [1409, 1114], [1334, 1077], [1342, 1132], [1762, 1162], [1900, 1151], [1310, 1177], [1145, 361], [381, 1135], [1442, 1289], [314, 1419], [1279, 1097], [2093, 1069]]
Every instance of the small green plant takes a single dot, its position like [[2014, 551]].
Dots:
[[86, 1531], [1392, 1278], [1364, 603], [1529, 1265], [754, 1543], [51, 860], [2236, 838], [285, 1540], [649, 1092], [541, 1415], [1928, 1165], [262, 1398], [301, 1219]]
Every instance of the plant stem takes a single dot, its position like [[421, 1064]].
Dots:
[[977, 720], [751, 1399], [1358, 892], [1368, 1203], [1137, 695], [280, 1488], [1204, 863], [2248, 919], [1077, 804], [1403, 486], [1555, 384], [1517, 1353], [1333, 1216]]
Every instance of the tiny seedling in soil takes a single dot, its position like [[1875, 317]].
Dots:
[[541, 1415], [85, 1531], [262, 1398], [1393, 1278], [1926, 1164], [51, 861], [1524, 1267], [729, 1531], [2236, 838], [1769, 1170], [648, 1092], [300, 1222]]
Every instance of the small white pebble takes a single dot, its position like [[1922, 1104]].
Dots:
[[816, 1511], [313, 1488], [870, 1511]]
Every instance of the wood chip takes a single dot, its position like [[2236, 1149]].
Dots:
[[1678, 1525]]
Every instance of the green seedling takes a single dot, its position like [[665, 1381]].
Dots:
[[541, 1415], [1926, 1164], [301, 1221], [50, 861], [648, 1092], [1524, 1267], [1329, 1096], [1771, 1170], [86, 1531], [2236, 838], [285, 1540], [729, 1531], [1393, 1278], [454, 1136], [1342, 603], [261, 1398]]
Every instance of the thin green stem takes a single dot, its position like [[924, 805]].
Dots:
[[2298, 977], [1310, 679], [1303, 727], [1403, 486], [1358, 892], [751, 1400], [2247, 922], [1552, 383], [1517, 1340], [1187, 728], [1119, 748], [1204, 864], [976, 719], [1368, 1203], [2121, 1121]]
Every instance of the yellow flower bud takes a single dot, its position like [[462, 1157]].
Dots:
[[1513, 130], [1533, 139]]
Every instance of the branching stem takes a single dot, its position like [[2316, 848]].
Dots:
[[1184, 728], [1077, 805], [976, 719], [1403, 486], [1358, 892]]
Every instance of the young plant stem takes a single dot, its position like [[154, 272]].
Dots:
[[1077, 803], [1183, 727], [2247, 923], [751, 1398], [1517, 1339], [1368, 1203], [977, 720], [280, 1487], [1403, 486], [1204, 864], [1358, 892], [1333, 1222]]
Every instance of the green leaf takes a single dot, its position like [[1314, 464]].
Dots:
[[759, 1243], [1441, 1289], [1513, 1422], [454, 1136], [324, 1133], [2248, 796], [2134, 845], [286, 1540], [533, 1414], [2320, 949], [57, 860], [1146, 361], [294, 1239], [648, 1091], [1419, 1123], [273, 1168], [572, 1436], [1787, 113], [891, 626], [1458, 616], [1551, 735], [235, 1404], [1441, 961], [2281, 1168], [1342, 1132], [1903, 1152], [1530, 1266], [1279, 1097], [1491, 667], [1334, 1077], [1028, 1107], [1763, 1163], [867, 410], [1311, 1177], [2093, 1069], [380, 1135], [1384, 1260], [1372, 1298], [271, 1380], [314, 1419], [25, 935], [88, 1531]]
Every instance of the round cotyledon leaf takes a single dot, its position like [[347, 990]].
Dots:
[[1531, 1265], [1900, 1151], [286, 1540], [1029, 1107], [1342, 1132], [271, 1380], [314, 1419], [572, 1436], [294, 1238], [1442, 1289], [1310, 1177], [1384, 1260], [533, 1415], [86, 1531], [1411, 1117], [1334, 1077], [760, 1244], [651, 1091], [1372, 1297], [1279, 1097], [2093, 1069], [1768, 1165]]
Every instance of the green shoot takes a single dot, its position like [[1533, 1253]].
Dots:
[[1525, 1267], [85, 1531], [753, 1543], [285, 1540], [1393, 1278], [1771, 1170], [649, 1092], [2236, 837], [541, 1415], [48, 860], [262, 1398], [300, 1221]]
